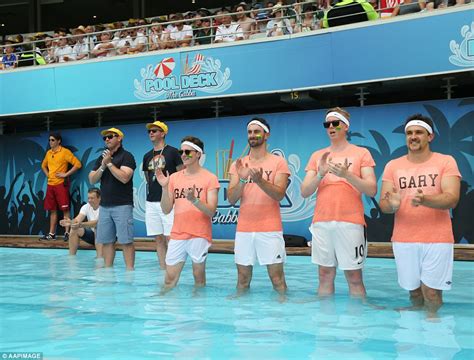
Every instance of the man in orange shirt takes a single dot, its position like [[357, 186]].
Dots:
[[55, 167], [420, 188], [193, 194], [340, 174], [259, 181]]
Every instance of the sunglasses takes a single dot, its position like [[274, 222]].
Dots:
[[154, 131], [334, 123], [109, 137], [187, 152], [52, 140]]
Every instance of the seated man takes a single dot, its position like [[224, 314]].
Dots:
[[85, 230], [228, 31]]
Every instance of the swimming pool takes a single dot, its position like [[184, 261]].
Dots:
[[64, 307]]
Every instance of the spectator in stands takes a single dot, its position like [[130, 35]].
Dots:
[[138, 41], [279, 25], [30, 56], [409, 7], [205, 34], [91, 39], [246, 23], [48, 50], [228, 31], [309, 20], [348, 12], [159, 37], [81, 47], [118, 26], [122, 42], [261, 19], [9, 60], [63, 52], [105, 48], [181, 35]]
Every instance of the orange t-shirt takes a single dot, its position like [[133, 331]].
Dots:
[[189, 221], [258, 211], [420, 224], [58, 161], [336, 198]]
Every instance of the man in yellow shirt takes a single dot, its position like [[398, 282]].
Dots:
[[55, 167]]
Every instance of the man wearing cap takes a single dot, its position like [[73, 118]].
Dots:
[[114, 169], [339, 174], [192, 192], [228, 31], [55, 167], [166, 158], [278, 25], [259, 181], [420, 189], [81, 47]]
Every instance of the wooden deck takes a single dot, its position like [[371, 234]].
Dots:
[[379, 250]]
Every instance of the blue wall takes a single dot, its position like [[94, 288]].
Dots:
[[386, 49], [294, 135]]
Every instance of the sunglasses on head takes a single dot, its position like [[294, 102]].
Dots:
[[109, 137], [154, 131], [334, 123], [187, 152]]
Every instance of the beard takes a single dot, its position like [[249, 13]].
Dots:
[[256, 142]]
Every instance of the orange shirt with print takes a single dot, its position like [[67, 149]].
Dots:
[[421, 224], [336, 198], [189, 221], [258, 211], [58, 161]]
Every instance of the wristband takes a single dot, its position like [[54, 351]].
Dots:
[[195, 201], [109, 165], [243, 181], [101, 169], [320, 177]]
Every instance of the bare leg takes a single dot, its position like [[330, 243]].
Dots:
[[433, 300], [53, 221], [74, 240], [129, 256], [161, 248], [244, 274], [199, 273], [416, 298], [172, 276], [67, 216], [355, 282], [326, 280], [99, 249], [109, 254], [277, 276]]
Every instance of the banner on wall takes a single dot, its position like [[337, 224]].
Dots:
[[283, 64], [294, 136]]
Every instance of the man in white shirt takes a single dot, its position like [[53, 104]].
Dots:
[[85, 230], [63, 52], [105, 48], [181, 34], [228, 31], [81, 48], [279, 25]]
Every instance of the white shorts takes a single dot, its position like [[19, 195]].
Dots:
[[157, 223], [178, 251], [427, 263], [267, 247], [338, 244]]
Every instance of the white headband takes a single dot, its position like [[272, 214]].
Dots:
[[339, 116], [256, 122], [419, 123], [194, 146]]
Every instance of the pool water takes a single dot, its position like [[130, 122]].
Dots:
[[67, 308]]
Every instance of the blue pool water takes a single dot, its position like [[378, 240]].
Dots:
[[67, 308]]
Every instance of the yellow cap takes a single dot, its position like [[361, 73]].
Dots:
[[112, 130], [159, 124]]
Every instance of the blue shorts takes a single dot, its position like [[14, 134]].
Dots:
[[115, 223], [89, 236]]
